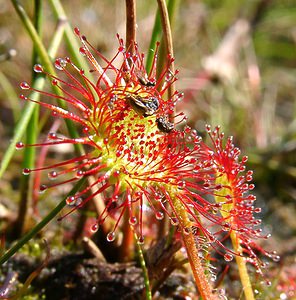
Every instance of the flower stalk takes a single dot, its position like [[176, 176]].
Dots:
[[168, 39], [148, 292], [131, 24], [201, 280]]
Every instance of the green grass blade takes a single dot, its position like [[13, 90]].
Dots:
[[11, 96], [20, 127], [156, 35], [71, 39], [47, 65], [29, 107]]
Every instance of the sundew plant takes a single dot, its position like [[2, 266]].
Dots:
[[150, 174]]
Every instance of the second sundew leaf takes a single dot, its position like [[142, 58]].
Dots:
[[226, 209], [236, 205]]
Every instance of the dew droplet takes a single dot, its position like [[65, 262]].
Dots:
[[226, 226], [38, 68], [181, 184], [141, 240], [60, 64], [85, 130], [268, 283], [52, 136], [257, 222], [24, 86], [82, 51], [168, 77], [159, 215], [186, 231], [221, 292], [52, 175], [276, 258], [79, 174], [208, 128], [157, 196], [116, 173], [26, 171], [77, 31], [70, 200], [133, 220], [228, 257], [121, 49], [257, 210], [212, 239], [23, 97], [111, 236], [19, 145], [94, 228], [42, 188], [174, 221]]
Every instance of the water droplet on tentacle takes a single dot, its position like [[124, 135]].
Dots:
[[141, 240], [133, 220], [174, 221], [70, 200], [52, 175], [228, 257], [52, 136], [77, 31], [82, 51], [85, 130], [274, 256], [42, 188], [25, 86], [94, 228], [26, 171], [60, 64], [159, 215], [226, 226], [186, 230], [111, 236], [79, 174], [181, 184], [38, 68], [19, 145]]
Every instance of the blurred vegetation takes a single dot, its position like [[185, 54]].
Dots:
[[250, 91]]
